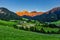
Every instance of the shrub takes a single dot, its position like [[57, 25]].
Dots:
[[15, 26], [52, 25], [48, 32], [37, 30], [58, 32], [53, 32], [21, 28], [32, 29], [27, 28], [42, 30]]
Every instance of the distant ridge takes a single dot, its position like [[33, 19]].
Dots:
[[5, 14], [49, 16]]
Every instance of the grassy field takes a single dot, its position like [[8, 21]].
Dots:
[[9, 33], [7, 23], [57, 22]]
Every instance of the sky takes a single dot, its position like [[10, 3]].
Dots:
[[29, 5]]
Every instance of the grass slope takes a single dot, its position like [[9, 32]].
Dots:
[[57, 22], [7, 23], [9, 33]]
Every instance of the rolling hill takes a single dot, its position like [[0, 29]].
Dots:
[[9, 33]]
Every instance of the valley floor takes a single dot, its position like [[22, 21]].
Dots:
[[9, 33]]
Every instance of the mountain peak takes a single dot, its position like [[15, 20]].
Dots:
[[55, 9], [2, 9], [34, 12], [6, 14]]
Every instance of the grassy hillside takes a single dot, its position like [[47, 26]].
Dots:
[[9, 33], [7, 23], [57, 22], [30, 25]]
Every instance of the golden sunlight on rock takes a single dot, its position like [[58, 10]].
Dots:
[[33, 13]]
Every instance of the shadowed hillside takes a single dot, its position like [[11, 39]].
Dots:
[[52, 15], [5, 14]]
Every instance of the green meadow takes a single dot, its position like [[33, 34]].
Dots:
[[8, 32]]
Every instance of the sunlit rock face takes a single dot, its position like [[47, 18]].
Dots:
[[32, 14]]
